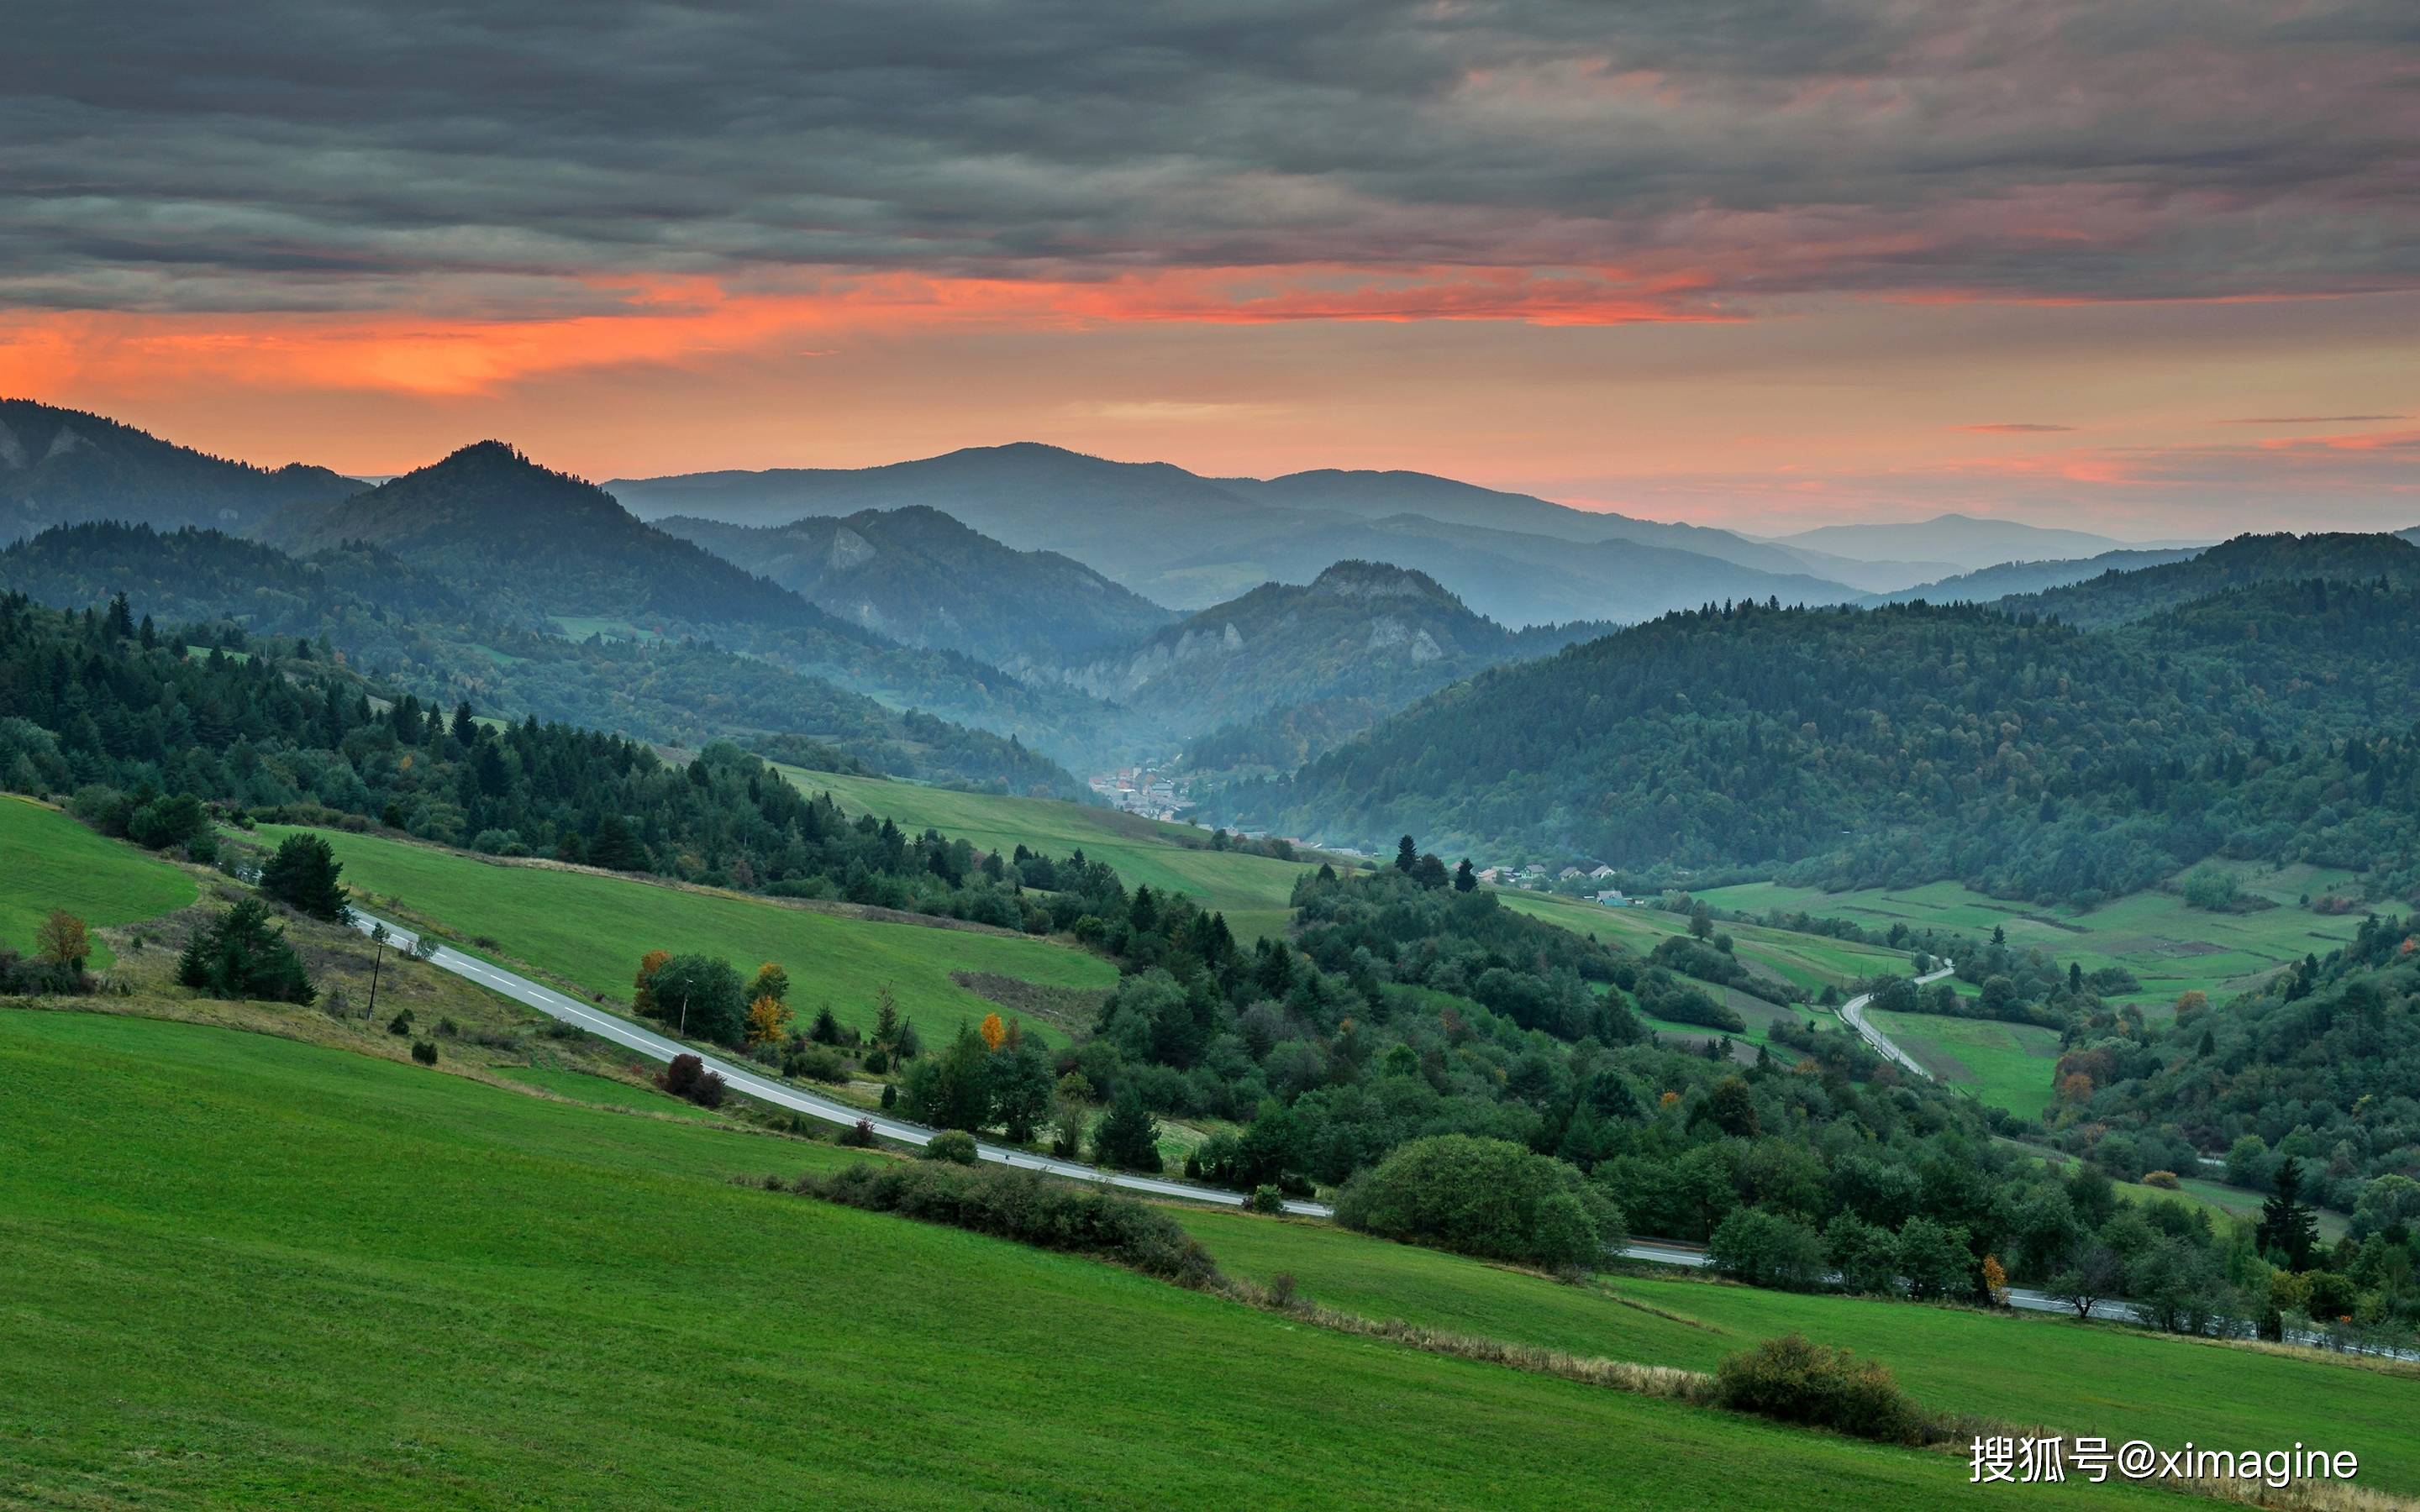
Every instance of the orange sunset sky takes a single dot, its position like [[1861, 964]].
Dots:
[[2146, 268]]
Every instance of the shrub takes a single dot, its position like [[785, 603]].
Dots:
[[688, 1077], [955, 1146], [1265, 1199], [400, 1024], [1488, 1198], [858, 1136], [2165, 1181], [817, 1063], [1792, 1380], [1025, 1206], [425, 1051]]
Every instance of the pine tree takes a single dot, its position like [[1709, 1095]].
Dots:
[[1407, 855], [1127, 1136], [302, 874], [2287, 1224], [1464, 879]]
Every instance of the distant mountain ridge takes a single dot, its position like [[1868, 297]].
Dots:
[[927, 580], [1989, 584], [64, 467], [1358, 641], [1967, 541], [1189, 541]]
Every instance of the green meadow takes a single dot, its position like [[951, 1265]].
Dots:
[[248, 1271], [1252, 890], [54, 862], [590, 930], [2020, 1367], [2007, 1065], [2171, 948], [1809, 961]]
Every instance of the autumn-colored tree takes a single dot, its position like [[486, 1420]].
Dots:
[[1995, 1281], [771, 982], [62, 941], [992, 1030], [2191, 1003], [2074, 1087], [1669, 1099], [769, 1020], [643, 988]]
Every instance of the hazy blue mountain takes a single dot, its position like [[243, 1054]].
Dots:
[[63, 467], [1362, 636], [555, 548], [2026, 577], [1191, 542], [922, 578], [1964, 540]]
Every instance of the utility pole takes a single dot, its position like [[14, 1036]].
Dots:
[[378, 937]]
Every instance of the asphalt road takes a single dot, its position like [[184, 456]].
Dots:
[[780, 1094], [1853, 1013]]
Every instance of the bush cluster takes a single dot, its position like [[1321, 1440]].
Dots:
[[1792, 1380], [1025, 1206]]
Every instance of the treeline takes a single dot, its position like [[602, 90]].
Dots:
[[144, 734], [385, 617]]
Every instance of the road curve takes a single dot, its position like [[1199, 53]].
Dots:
[[1852, 1012], [654, 1046]]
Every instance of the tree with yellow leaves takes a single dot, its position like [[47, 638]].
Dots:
[[1995, 1281], [643, 987], [992, 1030], [771, 982], [62, 941], [769, 1020]]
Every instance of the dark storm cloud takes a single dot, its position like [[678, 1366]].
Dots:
[[261, 155]]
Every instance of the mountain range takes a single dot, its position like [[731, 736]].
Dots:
[[924, 578], [1964, 540], [1188, 541], [63, 467]]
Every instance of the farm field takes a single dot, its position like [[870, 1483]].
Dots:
[[2007, 1065], [1808, 960], [508, 1291], [1252, 890], [2170, 948], [2021, 1367], [590, 930], [55, 862]]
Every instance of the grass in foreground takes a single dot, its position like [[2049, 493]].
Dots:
[[54, 862], [591, 929], [245, 1269], [2022, 1369], [1252, 890]]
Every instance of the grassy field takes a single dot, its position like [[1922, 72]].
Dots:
[[2005, 1065], [2022, 1368], [1808, 960], [54, 862], [591, 929], [2170, 948], [1252, 890], [245, 1271]]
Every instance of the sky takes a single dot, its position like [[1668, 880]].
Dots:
[[2148, 267]]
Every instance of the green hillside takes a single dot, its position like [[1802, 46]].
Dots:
[[249, 1271], [54, 862], [590, 930], [2169, 947], [1252, 890], [2019, 1366]]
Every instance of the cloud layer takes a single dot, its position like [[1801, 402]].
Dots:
[[1557, 160]]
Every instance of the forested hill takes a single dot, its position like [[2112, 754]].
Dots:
[[489, 519], [1361, 635], [533, 544], [2005, 579], [1900, 744], [919, 577], [388, 618], [63, 467], [2116, 597], [2316, 1065]]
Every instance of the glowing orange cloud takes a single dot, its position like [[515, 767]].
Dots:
[[667, 323]]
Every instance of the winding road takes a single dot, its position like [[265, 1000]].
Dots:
[[1853, 1013], [622, 1032]]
